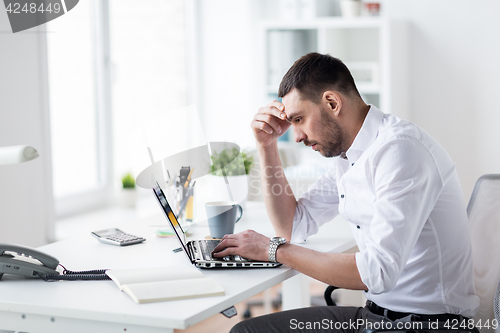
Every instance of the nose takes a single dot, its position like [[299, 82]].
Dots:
[[298, 134]]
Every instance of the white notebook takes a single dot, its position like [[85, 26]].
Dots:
[[164, 283]]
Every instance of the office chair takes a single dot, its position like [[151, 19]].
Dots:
[[496, 304], [484, 218]]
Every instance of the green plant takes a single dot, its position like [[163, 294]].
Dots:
[[128, 181], [234, 163]]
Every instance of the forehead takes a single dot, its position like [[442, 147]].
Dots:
[[292, 99], [294, 103]]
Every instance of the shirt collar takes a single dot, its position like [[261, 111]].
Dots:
[[366, 135]]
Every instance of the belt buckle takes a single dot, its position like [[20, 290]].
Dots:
[[374, 308]]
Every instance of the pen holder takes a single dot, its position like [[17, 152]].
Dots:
[[174, 198], [189, 208], [182, 202]]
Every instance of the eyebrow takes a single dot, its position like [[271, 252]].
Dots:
[[290, 117]]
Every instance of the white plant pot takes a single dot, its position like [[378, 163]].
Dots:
[[238, 186], [350, 8], [128, 197]]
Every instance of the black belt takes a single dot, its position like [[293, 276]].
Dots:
[[393, 315]]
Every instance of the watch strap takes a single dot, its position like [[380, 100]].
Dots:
[[273, 247]]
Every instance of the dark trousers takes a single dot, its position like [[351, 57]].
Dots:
[[322, 319]]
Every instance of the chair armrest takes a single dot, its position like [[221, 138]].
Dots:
[[328, 295]]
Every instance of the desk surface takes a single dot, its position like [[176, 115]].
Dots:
[[99, 306]]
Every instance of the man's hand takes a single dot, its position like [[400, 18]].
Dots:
[[270, 123], [248, 244]]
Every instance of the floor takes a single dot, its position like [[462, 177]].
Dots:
[[221, 324]]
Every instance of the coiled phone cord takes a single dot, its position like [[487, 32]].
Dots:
[[67, 275]]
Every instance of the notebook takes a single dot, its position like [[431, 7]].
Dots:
[[146, 285], [199, 252]]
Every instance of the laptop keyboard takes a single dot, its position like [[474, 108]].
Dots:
[[207, 248]]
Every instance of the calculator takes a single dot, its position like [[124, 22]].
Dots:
[[115, 236]]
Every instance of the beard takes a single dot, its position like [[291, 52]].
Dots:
[[331, 137]]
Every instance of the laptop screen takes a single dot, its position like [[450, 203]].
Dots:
[[176, 227]]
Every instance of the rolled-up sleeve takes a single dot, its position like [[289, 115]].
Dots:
[[317, 206], [407, 184]]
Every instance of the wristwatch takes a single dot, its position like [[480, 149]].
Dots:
[[273, 247]]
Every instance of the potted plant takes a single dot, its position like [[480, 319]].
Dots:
[[235, 166], [129, 194]]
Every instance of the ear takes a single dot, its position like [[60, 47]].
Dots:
[[332, 101]]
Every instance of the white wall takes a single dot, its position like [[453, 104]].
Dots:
[[26, 206], [226, 79], [454, 73], [455, 78]]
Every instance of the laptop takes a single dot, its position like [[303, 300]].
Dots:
[[199, 252]]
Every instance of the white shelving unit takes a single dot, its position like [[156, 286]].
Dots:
[[375, 50]]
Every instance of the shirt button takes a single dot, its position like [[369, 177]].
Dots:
[[352, 164], [342, 196], [358, 227]]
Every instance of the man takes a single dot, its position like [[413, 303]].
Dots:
[[394, 184]]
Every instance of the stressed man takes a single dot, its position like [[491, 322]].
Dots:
[[394, 184]]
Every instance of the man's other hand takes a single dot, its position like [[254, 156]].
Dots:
[[269, 123], [247, 244]]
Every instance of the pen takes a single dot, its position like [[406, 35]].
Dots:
[[184, 202], [183, 174], [188, 178]]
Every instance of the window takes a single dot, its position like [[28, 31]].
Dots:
[[113, 65], [79, 148], [149, 74]]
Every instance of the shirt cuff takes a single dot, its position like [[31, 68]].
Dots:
[[374, 285], [299, 228]]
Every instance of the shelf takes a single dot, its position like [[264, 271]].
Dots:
[[329, 22], [365, 88], [374, 49]]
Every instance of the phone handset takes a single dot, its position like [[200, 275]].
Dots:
[[44, 258], [22, 260], [28, 262]]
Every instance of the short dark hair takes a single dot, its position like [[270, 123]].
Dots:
[[315, 73]]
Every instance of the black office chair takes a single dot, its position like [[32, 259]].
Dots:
[[483, 211]]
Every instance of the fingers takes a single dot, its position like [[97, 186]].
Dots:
[[270, 118], [224, 244], [276, 109], [267, 123], [248, 244], [230, 251]]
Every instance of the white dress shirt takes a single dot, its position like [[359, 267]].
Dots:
[[399, 190]]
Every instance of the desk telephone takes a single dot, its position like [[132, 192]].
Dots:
[[28, 262]]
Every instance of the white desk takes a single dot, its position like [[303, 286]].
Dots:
[[98, 306]]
